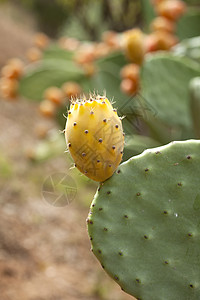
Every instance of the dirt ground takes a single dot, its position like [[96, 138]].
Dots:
[[44, 250]]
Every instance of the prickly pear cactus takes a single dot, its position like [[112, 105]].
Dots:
[[136, 144], [94, 137], [189, 24], [189, 48], [165, 80], [49, 72], [144, 223]]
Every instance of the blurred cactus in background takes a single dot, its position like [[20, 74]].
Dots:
[[126, 63], [144, 56]]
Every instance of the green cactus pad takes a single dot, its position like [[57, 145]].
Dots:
[[136, 144], [189, 24], [165, 80], [144, 223], [51, 72], [189, 48], [56, 52]]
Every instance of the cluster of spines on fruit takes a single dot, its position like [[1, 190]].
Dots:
[[94, 137]]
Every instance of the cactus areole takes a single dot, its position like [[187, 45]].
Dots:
[[94, 137]]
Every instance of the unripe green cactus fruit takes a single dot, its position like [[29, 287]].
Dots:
[[94, 137]]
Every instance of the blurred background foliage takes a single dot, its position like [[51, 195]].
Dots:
[[87, 19], [166, 108]]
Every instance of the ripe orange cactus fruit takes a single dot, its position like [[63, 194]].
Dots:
[[171, 10], [71, 89], [54, 94], [162, 24]]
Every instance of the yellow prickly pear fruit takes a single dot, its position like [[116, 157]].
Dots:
[[94, 137], [134, 45]]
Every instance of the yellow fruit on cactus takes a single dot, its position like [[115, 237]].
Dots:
[[94, 137], [134, 45]]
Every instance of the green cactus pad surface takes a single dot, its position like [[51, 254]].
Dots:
[[189, 48], [136, 144], [51, 72], [165, 80], [189, 24], [55, 52], [144, 223]]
